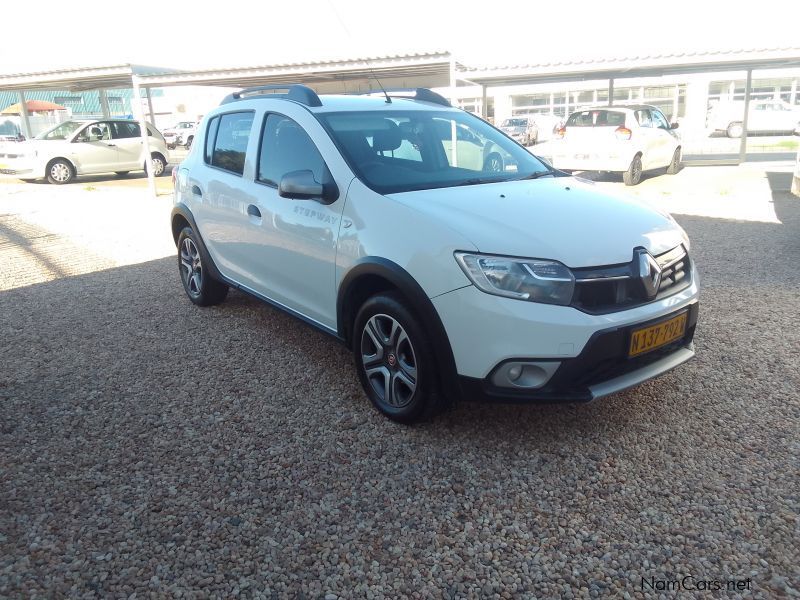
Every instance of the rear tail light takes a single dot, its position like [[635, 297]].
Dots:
[[623, 133], [561, 131]]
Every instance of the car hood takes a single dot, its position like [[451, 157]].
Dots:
[[558, 218]]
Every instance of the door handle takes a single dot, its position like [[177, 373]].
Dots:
[[196, 191], [253, 211]]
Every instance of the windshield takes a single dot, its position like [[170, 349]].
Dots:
[[401, 151], [515, 123], [60, 132]]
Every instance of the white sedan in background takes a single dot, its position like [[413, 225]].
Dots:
[[618, 139], [83, 147]]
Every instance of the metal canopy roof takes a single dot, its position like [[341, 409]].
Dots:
[[89, 78], [431, 69], [635, 66], [428, 69]]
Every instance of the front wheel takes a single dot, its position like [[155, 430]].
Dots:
[[198, 283], [634, 173], [60, 172], [395, 363]]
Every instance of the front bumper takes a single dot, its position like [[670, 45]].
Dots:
[[487, 331]]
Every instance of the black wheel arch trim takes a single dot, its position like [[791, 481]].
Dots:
[[400, 279], [181, 210]]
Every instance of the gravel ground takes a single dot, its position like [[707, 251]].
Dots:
[[149, 448]]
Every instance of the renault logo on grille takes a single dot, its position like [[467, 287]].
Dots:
[[649, 272]]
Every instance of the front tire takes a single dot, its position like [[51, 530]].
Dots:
[[634, 173], [394, 360], [60, 172], [198, 283]]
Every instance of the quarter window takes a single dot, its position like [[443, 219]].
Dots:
[[286, 147], [211, 136], [230, 143]]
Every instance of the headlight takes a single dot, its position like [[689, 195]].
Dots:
[[530, 279]]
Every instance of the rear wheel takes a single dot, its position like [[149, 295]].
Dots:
[[189, 142], [634, 173], [493, 162], [60, 171], [735, 130], [675, 165], [198, 283], [159, 164], [394, 359]]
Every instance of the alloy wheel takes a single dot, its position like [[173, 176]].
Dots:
[[389, 360], [191, 267]]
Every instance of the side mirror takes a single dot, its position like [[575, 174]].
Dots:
[[301, 185], [674, 125]]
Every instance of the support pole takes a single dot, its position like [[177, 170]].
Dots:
[[611, 92], [139, 114], [748, 85], [484, 107], [150, 106], [104, 104], [453, 98], [26, 121]]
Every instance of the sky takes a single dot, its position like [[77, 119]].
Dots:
[[204, 34]]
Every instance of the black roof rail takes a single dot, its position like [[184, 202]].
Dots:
[[423, 94], [294, 91]]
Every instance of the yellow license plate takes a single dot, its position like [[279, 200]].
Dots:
[[649, 338]]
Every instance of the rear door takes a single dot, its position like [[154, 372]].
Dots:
[[129, 144], [649, 140], [219, 196], [667, 141]]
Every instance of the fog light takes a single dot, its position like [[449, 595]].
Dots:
[[524, 374]]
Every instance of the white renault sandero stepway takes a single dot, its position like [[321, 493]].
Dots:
[[453, 262]]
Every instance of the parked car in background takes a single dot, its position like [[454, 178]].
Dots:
[[82, 147], [521, 129], [548, 126], [618, 139], [763, 116], [180, 134], [10, 130], [446, 277]]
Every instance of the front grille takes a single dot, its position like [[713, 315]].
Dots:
[[612, 288]]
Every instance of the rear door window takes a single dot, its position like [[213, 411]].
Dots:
[[596, 118], [230, 141]]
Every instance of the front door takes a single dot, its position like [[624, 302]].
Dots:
[[295, 253], [94, 150]]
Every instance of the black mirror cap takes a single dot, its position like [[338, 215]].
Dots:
[[301, 185], [674, 125]]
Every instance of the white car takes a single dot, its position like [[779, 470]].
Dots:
[[447, 278], [618, 139], [522, 130], [180, 134], [763, 116], [83, 147]]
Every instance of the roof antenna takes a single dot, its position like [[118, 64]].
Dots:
[[366, 60]]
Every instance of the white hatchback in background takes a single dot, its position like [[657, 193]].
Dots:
[[81, 148], [618, 139], [448, 258], [180, 134]]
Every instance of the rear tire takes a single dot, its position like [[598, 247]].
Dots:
[[494, 163], [198, 283], [159, 165], [634, 173], [189, 142], [675, 165], [395, 361], [735, 130]]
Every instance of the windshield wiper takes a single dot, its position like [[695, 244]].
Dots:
[[535, 175], [479, 181]]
